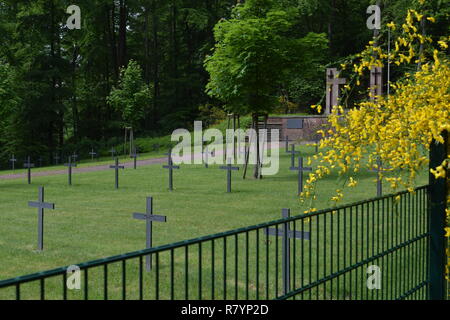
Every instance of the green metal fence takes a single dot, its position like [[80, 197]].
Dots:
[[330, 261]]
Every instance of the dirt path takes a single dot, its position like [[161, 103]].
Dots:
[[128, 164]]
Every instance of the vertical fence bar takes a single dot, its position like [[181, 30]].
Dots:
[[42, 283], [257, 264], [267, 265], [157, 277], [225, 268], [236, 266], [186, 272], [64, 286], [86, 284], [199, 272], [18, 291], [141, 289], [172, 273], [325, 255], [124, 279], [438, 196], [212, 269], [105, 281], [246, 266]]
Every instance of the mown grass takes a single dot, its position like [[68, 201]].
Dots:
[[93, 220]]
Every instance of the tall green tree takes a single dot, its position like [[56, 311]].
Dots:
[[254, 55], [132, 96]]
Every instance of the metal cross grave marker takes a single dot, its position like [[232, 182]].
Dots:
[[13, 161], [171, 167], [134, 155], [300, 170], [229, 168], [56, 158], [92, 154], [293, 153], [286, 235], [28, 165], [41, 205], [117, 167], [149, 217], [379, 168], [69, 166]]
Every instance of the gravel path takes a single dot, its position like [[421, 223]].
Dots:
[[128, 164]]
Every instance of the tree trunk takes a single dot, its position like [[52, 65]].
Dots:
[[123, 15], [155, 62], [257, 171]]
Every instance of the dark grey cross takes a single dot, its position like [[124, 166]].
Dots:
[[13, 161], [41, 205], [28, 165], [149, 217], [70, 165], [229, 168], [92, 154], [293, 153], [113, 152], [117, 167], [317, 141], [56, 157], [134, 155], [171, 167], [379, 168], [300, 170], [286, 235]]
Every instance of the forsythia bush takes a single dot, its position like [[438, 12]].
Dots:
[[398, 129]]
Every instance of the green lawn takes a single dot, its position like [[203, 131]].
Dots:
[[93, 220]]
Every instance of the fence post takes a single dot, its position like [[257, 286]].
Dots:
[[438, 198]]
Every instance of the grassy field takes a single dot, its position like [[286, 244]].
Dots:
[[93, 220]]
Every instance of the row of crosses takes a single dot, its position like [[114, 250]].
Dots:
[[334, 82]]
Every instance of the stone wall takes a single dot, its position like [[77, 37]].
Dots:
[[307, 134]]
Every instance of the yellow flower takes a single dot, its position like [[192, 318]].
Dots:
[[443, 44], [439, 172], [431, 19], [391, 25], [447, 232], [352, 182]]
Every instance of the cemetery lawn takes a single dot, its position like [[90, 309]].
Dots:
[[92, 220]]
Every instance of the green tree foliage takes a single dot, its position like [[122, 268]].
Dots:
[[255, 54], [60, 78], [132, 97]]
